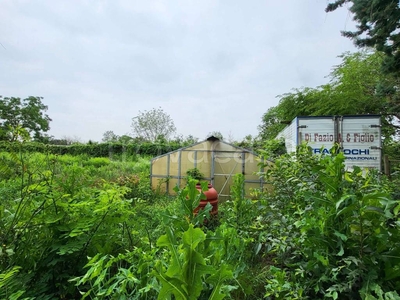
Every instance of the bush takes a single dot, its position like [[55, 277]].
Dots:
[[78, 224], [338, 231], [110, 150]]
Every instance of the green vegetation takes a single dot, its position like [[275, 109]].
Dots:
[[79, 221], [337, 230], [23, 117], [378, 24], [90, 227], [357, 86], [195, 174], [110, 150], [153, 125]]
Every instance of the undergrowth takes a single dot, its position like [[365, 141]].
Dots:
[[82, 227]]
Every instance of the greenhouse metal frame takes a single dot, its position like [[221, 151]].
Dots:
[[217, 160]]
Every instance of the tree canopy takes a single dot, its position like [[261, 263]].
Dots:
[[357, 86], [109, 136], [216, 134], [27, 115], [152, 125], [378, 26]]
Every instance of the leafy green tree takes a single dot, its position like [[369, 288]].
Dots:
[[125, 139], [249, 142], [190, 139], [59, 142], [152, 125], [27, 114], [185, 140], [357, 86], [300, 102], [378, 26], [109, 137]]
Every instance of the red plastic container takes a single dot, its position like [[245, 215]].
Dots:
[[212, 198]]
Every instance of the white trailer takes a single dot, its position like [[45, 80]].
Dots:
[[359, 137]]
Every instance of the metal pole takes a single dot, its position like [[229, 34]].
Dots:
[[179, 168], [168, 166], [243, 173], [212, 167]]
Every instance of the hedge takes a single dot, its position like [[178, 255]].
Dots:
[[95, 150]]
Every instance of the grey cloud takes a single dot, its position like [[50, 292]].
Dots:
[[213, 65]]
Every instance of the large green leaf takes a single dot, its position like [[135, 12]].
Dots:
[[193, 236], [169, 240], [217, 280], [170, 286], [192, 269]]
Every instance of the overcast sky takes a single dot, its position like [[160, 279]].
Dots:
[[211, 65]]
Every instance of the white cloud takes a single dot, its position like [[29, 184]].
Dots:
[[212, 65]]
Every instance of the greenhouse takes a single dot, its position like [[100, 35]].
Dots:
[[217, 160]]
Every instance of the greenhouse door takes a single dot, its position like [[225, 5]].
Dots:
[[224, 166]]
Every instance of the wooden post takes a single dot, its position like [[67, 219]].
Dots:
[[386, 165]]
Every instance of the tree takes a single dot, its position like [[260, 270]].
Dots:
[[300, 102], [110, 137], [357, 86], [378, 26], [125, 139], [54, 141], [190, 139], [27, 114], [216, 134], [248, 142], [70, 140], [185, 141], [152, 125]]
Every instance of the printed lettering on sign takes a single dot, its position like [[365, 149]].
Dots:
[[328, 137]]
